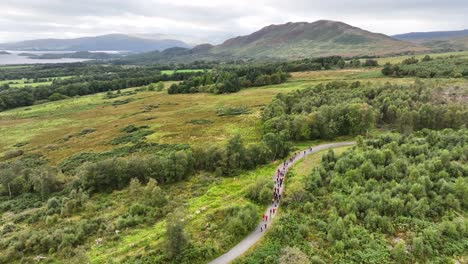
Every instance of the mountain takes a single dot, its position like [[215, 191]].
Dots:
[[320, 38], [438, 40], [434, 35], [98, 43], [290, 41]]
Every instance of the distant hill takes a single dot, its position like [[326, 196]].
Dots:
[[98, 43], [320, 38], [434, 35], [439, 40], [2, 52], [292, 41]]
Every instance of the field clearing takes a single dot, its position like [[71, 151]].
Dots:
[[169, 72], [18, 83], [398, 59], [15, 66]]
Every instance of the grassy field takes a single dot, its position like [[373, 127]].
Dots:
[[397, 59], [43, 127], [18, 83], [168, 72]]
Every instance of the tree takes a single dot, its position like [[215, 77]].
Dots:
[[6, 177], [153, 194], [235, 151], [45, 182], [399, 252], [176, 239], [418, 247]]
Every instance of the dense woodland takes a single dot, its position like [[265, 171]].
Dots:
[[391, 199], [340, 108], [230, 80], [428, 67]]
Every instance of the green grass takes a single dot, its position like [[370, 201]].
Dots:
[[18, 83], [398, 59], [169, 72], [15, 66], [45, 124], [203, 194]]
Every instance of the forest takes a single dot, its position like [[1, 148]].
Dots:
[[341, 108], [391, 199]]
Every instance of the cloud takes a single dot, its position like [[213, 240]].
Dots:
[[216, 20]]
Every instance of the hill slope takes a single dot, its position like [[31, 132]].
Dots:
[[289, 41], [320, 38], [433, 35], [439, 40], [98, 43]]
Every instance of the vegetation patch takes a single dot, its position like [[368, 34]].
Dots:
[[122, 102], [232, 111], [200, 121]]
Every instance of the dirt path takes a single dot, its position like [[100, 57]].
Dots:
[[253, 237]]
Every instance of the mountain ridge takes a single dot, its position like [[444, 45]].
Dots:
[[292, 40], [97, 43]]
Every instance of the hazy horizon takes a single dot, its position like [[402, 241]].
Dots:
[[213, 22]]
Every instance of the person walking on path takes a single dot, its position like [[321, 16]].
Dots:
[[255, 236]]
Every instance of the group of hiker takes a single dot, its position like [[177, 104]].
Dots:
[[279, 179]]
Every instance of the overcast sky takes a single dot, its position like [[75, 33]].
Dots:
[[216, 20]]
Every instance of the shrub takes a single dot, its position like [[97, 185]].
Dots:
[[260, 191], [293, 255], [13, 154], [230, 111]]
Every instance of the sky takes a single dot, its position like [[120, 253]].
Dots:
[[216, 20]]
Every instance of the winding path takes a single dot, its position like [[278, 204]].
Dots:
[[253, 237]]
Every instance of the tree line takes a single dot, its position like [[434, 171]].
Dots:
[[340, 108], [427, 67], [78, 86], [232, 78]]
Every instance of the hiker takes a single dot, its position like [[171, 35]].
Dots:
[[265, 226], [261, 229], [266, 217]]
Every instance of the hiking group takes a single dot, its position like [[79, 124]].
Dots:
[[278, 187]]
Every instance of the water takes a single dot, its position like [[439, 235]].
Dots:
[[14, 58]]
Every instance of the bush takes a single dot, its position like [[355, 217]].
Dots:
[[230, 111], [260, 191], [13, 154], [293, 255]]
